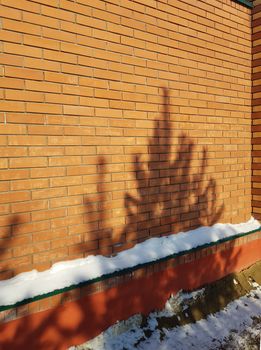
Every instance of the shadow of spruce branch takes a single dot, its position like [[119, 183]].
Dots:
[[169, 198]]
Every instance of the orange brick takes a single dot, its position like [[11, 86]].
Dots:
[[78, 110], [45, 130], [66, 181], [52, 3], [13, 129], [21, 262], [47, 172], [57, 34], [9, 82], [27, 140], [77, 69], [66, 242], [77, 8], [62, 120], [23, 5], [46, 151], [29, 184], [14, 197], [13, 174], [29, 206], [43, 108], [8, 12], [11, 60], [21, 27], [40, 19], [59, 56], [65, 201], [12, 106], [3, 163], [24, 95], [42, 86], [23, 73], [58, 13], [40, 64], [65, 160], [83, 247], [61, 78], [28, 162], [23, 50], [53, 255], [41, 42], [81, 170], [9, 36], [64, 140], [48, 193], [79, 130], [23, 118]]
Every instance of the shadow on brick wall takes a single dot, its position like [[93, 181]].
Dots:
[[169, 199], [8, 237]]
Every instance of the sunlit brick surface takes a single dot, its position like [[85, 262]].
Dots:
[[120, 121]]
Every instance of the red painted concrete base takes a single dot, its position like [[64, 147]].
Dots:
[[75, 322]]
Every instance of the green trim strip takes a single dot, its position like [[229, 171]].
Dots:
[[123, 271], [245, 3]]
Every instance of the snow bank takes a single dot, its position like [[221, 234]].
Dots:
[[64, 274]]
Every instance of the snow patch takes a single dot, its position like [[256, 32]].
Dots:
[[181, 301], [209, 333], [65, 274]]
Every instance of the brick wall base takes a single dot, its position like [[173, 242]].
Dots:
[[71, 318]]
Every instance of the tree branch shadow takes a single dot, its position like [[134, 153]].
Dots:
[[171, 197]]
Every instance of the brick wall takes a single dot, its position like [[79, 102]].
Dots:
[[256, 27], [120, 120]]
